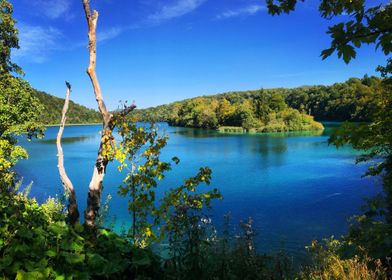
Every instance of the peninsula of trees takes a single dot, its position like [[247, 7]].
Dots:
[[268, 110], [264, 111]]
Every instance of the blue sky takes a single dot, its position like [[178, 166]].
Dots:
[[158, 51]]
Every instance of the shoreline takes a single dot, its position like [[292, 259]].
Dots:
[[216, 129], [240, 130], [72, 124]]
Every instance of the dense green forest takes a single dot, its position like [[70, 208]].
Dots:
[[53, 105], [258, 110], [353, 100], [264, 112], [273, 109]]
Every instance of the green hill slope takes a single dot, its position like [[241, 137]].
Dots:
[[77, 114]]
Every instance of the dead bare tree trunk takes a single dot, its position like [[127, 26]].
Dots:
[[95, 187], [73, 212]]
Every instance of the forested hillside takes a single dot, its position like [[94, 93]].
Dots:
[[353, 100], [269, 109], [260, 111], [77, 114]]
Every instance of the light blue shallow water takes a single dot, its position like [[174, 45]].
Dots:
[[294, 186]]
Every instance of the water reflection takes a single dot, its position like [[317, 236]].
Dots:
[[265, 146], [296, 133], [271, 150], [68, 140], [196, 132], [206, 133]]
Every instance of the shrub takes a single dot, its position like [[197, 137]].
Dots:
[[329, 264]]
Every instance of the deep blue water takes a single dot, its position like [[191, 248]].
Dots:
[[294, 186]]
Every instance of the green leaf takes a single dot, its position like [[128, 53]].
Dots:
[[73, 258], [25, 233], [348, 53], [105, 232], [357, 43], [96, 262], [140, 258], [76, 247], [5, 262], [176, 160], [78, 228], [34, 275], [326, 53], [51, 253]]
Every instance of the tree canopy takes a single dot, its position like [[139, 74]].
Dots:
[[353, 100], [362, 24], [19, 109], [8, 39]]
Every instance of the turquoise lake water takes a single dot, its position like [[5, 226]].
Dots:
[[295, 187]]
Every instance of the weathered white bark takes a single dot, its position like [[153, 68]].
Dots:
[[95, 187], [73, 212]]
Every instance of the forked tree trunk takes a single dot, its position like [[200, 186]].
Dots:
[[73, 212], [95, 187]]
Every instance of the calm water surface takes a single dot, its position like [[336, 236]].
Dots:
[[294, 186]]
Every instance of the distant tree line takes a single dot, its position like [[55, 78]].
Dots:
[[277, 109], [353, 100], [268, 109]]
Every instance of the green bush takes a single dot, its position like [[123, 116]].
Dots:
[[36, 243]]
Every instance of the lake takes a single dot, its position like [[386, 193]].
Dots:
[[295, 187]]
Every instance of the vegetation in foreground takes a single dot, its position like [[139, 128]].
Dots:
[[36, 242]]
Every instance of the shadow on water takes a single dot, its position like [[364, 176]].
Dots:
[[207, 133], [68, 140], [265, 146], [290, 134], [272, 150], [196, 132]]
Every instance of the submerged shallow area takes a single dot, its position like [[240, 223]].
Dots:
[[295, 187]]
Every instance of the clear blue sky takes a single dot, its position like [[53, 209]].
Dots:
[[158, 51]]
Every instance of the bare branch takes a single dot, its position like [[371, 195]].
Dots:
[[73, 212], [124, 112], [92, 43]]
